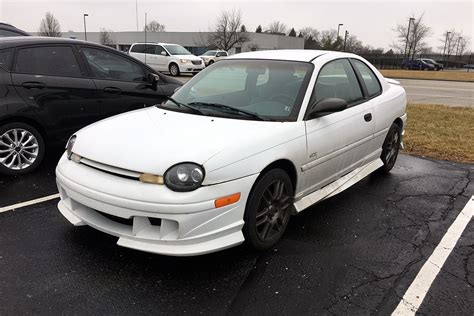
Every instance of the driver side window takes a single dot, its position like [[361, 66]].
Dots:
[[107, 65], [337, 79]]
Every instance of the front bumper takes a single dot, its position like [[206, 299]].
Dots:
[[190, 67], [135, 211]]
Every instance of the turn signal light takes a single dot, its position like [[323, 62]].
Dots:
[[151, 178], [226, 200]]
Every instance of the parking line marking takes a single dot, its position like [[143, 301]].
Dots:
[[28, 203], [416, 293]]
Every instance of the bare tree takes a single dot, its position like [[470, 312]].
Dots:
[[49, 26], [411, 37], [227, 33], [105, 37], [258, 29], [328, 40], [311, 37], [277, 27], [154, 26]]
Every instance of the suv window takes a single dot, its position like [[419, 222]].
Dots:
[[107, 65], [5, 58], [8, 33], [48, 60], [137, 48], [337, 80], [221, 54], [370, 79]]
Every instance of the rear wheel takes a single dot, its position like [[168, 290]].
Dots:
[[21, 148], [210, 62], [174, 69], [268, 209], [391, 147]]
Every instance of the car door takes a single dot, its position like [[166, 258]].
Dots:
[[51, 79], [339, 142], [162, 58], [121, 82]]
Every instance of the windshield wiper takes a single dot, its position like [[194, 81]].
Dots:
[[231, 108], [179, 104]]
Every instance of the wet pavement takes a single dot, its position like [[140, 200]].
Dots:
[[356, 253]]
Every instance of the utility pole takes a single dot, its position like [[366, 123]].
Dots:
[[85, 30], [444, 50], [145, 38], [345, 39], [457, 50], [408, 34]]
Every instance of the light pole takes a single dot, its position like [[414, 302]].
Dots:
[[457, 50], [338, 27], [408, 34], [445, 42], [345, 39], [85, 30], [337, 40]]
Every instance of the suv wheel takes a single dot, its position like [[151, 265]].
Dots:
[[174, 70], [268, 209], [21, 148]]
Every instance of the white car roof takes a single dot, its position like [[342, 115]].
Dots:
[[283, 54], [154, 43]]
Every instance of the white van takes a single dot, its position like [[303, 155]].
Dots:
[[164, 57]]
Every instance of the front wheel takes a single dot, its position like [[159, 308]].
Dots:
[[21, 148], [174, 70], [391, 147], [268, 209]]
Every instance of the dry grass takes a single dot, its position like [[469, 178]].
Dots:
[[433, 75], [440, 132]]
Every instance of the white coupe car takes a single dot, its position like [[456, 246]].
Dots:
[[241, 147]]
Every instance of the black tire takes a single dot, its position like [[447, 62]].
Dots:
[[273, 210], [174, 70], [390, 148], [210, 62], [29, 155]]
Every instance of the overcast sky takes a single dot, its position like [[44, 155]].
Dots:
[[371, 21]]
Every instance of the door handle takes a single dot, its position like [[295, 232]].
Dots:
[[33, 85], [368, 117], [112, 90]]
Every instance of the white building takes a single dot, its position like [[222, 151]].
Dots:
[[193, 41]]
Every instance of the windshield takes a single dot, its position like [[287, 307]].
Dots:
[[270, 89], [177, 50], [209, 53]]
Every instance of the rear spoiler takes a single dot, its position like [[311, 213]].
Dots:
[[392, 81]]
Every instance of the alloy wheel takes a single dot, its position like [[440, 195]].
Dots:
[[392, 149], [273, 212], [19, 149]]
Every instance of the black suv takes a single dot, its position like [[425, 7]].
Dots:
[[7, 30], [51, 87]]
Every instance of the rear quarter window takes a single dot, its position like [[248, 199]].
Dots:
[[370, 79]]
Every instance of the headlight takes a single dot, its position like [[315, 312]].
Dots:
[[70, 145], [184, 61], [184, 177]]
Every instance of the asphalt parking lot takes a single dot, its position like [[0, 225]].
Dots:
[[356, 253]]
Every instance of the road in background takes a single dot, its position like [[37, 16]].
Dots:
[[451, 93]]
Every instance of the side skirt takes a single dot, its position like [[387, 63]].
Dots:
[[337, 186]]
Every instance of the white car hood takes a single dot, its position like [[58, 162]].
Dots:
[[190, 57], [152, 140]]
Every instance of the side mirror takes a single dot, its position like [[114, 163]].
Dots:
[[163, 53], [326, 106], [153, 79]]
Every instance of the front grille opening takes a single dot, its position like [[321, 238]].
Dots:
[[121, 220], [155, 221]]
